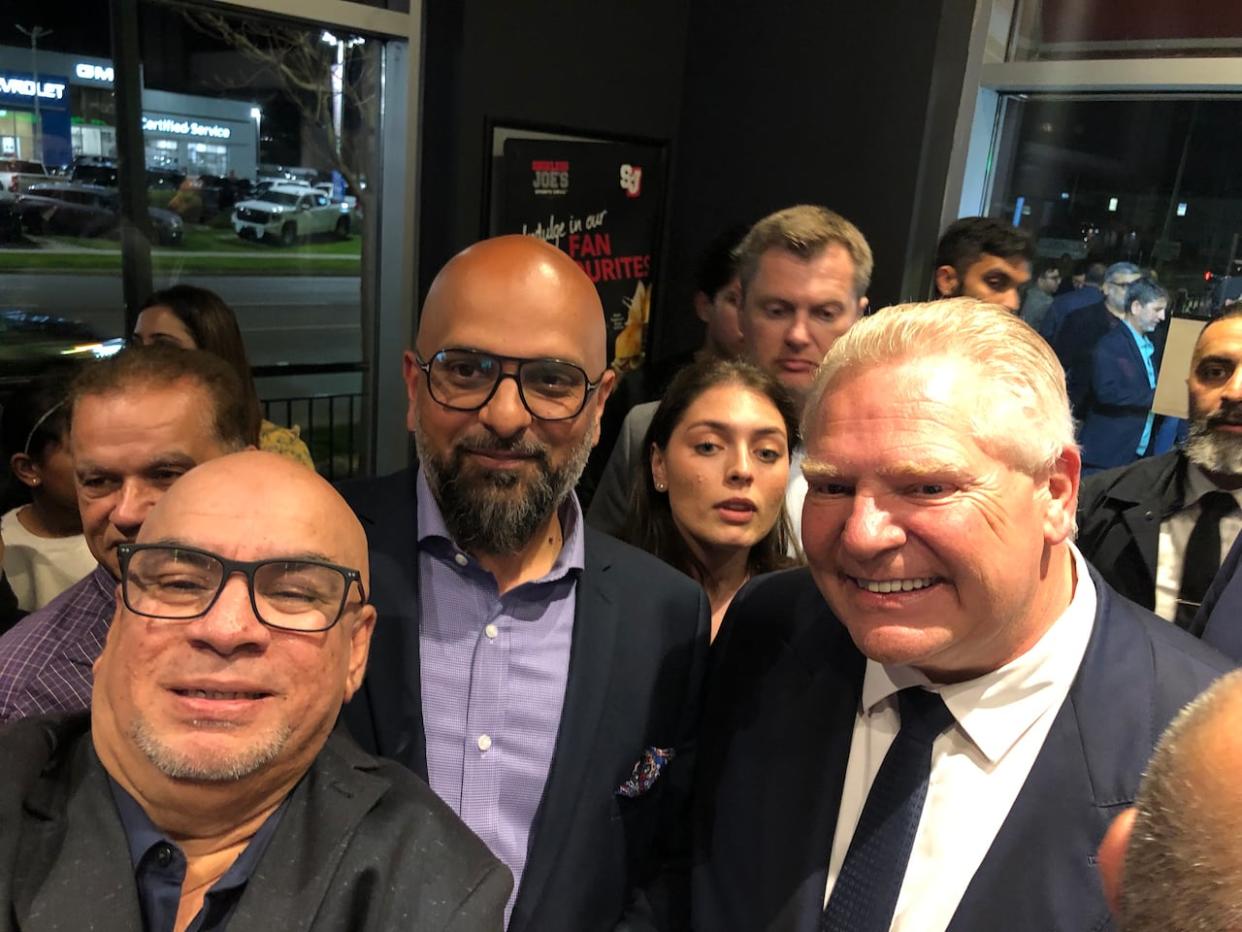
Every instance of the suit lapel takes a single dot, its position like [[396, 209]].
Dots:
[[1152, 503], [813, 725], [54, 885], [1085, 773], [587, 688], [296, 872], [392, 711]]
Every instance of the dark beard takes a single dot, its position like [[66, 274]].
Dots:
[[1211, 450], [499, 512]]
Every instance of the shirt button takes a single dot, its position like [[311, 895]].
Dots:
[[163, 854], [491, 631], [461, 559], [484, 742]]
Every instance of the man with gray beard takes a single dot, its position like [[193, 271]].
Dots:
[[542, 677], [1158, 528]]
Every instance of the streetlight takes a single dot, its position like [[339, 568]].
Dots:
[[36, 33], [337, 73], [257, 115]]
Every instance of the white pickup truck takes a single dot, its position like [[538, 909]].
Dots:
[[16, 175], [289, 212]]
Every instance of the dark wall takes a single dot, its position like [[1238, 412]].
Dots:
[[604, 67], [792, 102]]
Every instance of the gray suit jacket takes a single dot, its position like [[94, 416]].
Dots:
[[362, 845], [612, 495]]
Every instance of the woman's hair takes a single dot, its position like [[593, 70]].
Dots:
[[649, 522], [213, 325], [36, 419]]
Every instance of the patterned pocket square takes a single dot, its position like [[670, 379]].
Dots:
[[646, 772]]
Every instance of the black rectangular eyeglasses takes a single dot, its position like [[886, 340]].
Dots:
[[466, 380], [181, 583]]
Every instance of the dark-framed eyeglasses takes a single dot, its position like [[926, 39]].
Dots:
[[466, 380], [181, 583]]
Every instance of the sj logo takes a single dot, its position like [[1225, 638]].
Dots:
[[631, 180]]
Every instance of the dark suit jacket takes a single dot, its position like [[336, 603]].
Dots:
[[362, 845], [1075, 344], [1220, 615], [1119, 515], [785, 687], [1120, 401], [636, 672]]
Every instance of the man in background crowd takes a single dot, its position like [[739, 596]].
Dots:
[[1081, 332], [1037, 298], [1156, 530], [1083, 294], [138, 422], [983, 258], [804, 273]]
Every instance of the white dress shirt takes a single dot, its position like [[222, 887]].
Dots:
[[978, 765], [1175, 534]]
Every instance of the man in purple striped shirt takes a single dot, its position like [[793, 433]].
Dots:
[[542, 677], [138, 422]]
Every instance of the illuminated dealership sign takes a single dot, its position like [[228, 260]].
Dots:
[[173, 127], [25, 87], [88, 72]]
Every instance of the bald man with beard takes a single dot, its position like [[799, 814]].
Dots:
[[544, 678], [205, 787]]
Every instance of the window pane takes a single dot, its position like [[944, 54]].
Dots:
[[1152, 181], [258, 137], [1069, 29]]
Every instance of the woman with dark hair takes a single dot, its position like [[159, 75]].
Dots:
[[711, 497], [44, 551], [194, 318]]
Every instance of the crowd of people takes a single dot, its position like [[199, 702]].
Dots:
[[864, 621]]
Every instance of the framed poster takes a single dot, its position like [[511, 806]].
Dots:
[[601, 201]]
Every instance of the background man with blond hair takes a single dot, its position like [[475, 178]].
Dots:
[[925, 728]]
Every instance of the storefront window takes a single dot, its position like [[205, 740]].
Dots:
[[1151, 181], [259, 144]]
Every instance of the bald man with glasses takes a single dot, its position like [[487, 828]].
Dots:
[[206, 789], [542, 677]]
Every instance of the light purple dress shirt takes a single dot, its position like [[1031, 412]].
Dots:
[[494, 669], [46, 659]]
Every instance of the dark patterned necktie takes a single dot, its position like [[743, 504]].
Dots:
[[865, 895], [1202, 557]]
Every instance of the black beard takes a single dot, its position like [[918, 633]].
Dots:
[[496, 511]]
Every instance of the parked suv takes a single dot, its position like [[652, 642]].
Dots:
[[286, 212]]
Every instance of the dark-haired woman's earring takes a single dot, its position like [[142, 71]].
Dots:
[[661, 487]]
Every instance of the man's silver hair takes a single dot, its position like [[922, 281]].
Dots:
[[1183, 866], [1024, 418]]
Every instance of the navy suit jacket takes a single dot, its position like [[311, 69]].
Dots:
[[785, 688], [636, 672], [1220, 615], [1075, 346], [1119, 403]]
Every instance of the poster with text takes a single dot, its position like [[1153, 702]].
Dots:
[[600, 202]]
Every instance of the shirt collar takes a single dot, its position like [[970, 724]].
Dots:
[[572, 556], [1198, 485], [104, 581], [996, 709]]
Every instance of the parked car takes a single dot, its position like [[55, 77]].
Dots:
[[285, 212], [17, 175], [86, 210], [327, 188], [103, 172]]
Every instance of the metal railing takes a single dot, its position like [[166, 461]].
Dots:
[[328, 423]]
